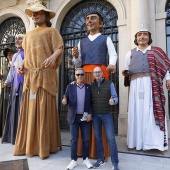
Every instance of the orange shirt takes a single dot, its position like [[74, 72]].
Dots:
[[90, 68]]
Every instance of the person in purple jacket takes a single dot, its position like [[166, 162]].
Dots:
[[78, 98], [15, 81]]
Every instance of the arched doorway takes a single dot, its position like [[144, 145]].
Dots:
[[167, 9], [8, 29], [73, 28]]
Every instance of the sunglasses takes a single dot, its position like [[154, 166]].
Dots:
[[79, 75]]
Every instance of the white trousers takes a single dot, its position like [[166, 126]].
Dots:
[[143, 133]]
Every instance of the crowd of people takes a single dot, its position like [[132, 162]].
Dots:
[[29, 117]]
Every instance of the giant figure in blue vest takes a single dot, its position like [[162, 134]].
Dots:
[[92, 52]]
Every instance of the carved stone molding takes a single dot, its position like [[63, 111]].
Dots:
[[7, 3]]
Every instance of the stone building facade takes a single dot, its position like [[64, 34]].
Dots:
[[122, 19]]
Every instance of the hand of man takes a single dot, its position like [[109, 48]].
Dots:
[[89, 117], [49, 62], [9, 65], [111, 101], [111, 68], [64, 101], [21, 70], [168, 84], [125, 73], [73, 82], [7, 84], [75, 52]]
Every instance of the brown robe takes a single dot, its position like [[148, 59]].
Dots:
[[38, 128]]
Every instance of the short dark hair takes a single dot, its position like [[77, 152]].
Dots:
[[100, 17], [95, 12], [150, 39], [5, 52]]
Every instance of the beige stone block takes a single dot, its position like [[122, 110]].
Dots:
[[122, 125], [9, 3]]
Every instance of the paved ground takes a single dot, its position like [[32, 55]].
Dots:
[[129, 160]]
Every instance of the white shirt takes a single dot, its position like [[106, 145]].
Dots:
[[127, 60], [111, 51]]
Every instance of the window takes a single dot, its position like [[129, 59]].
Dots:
[[8, 29]]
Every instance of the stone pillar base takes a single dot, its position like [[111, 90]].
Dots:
[[122, 124]]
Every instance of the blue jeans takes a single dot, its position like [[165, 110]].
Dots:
[[74, 129], [107, 121]]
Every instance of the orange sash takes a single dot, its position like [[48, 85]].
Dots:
[[90, 68]]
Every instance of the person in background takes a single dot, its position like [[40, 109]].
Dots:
[[15, 81], [4, 97], [78, 97]]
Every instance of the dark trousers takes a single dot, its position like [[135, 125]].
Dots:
[[74, 129]]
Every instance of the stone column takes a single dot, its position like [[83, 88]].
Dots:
[[123, 91], [139, 15]]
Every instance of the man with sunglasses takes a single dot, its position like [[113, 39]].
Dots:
[[78, 97]]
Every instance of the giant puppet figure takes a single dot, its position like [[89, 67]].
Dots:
[[147, 66], [38, 128]]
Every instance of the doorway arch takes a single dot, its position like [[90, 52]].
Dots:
[[72, 29], [9, 28]]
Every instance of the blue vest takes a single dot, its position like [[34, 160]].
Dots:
[[94, 52], [138, 62]]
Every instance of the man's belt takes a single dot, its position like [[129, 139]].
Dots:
[[137, 75]]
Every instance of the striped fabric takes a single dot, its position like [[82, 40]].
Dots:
[[159, 63]]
